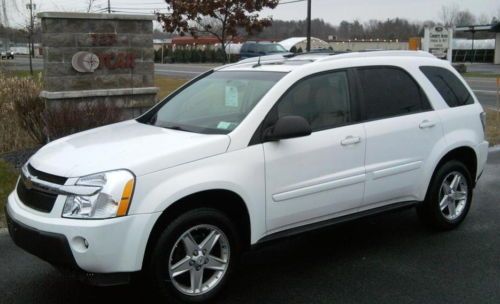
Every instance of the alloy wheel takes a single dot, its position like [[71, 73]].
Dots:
[[199, 260], [453, 195]]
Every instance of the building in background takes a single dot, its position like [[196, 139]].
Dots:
[[477, 52], [300, 43], [360, 45]]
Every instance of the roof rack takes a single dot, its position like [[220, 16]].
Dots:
[[394, 53]]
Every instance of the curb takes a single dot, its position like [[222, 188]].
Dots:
[[494, 149]]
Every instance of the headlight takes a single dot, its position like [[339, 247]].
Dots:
[[112, 200]]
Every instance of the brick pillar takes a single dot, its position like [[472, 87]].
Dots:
[[98, 58]]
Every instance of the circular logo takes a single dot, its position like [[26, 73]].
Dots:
[[85, 62], [28, 183]]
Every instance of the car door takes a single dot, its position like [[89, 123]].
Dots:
[[401, 131], [312, 178]]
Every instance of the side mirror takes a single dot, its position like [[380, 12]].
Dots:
[[288, 127]]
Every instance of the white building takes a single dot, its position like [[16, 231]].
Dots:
[[301, 43]]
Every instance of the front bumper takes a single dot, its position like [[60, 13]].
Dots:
[[92, 246], [51, 247]]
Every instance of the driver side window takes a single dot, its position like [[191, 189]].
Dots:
[[323, 100]]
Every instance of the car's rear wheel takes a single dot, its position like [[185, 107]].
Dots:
[[448, 198], [195, 255]]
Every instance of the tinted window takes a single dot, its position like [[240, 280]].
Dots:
[[323, 100], [390, 92], [252, 48], [448, 85]]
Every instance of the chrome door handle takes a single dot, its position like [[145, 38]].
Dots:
[[350, 140], [426, 124]]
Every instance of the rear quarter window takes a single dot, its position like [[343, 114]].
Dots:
[[452, 90]]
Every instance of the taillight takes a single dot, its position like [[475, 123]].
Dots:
[[482, 116]]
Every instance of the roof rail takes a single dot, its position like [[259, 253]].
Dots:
[[267, 58], [378, 54]]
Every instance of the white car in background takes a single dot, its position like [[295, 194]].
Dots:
[[248, 153]]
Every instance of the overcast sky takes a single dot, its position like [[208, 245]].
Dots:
[[332, 11]]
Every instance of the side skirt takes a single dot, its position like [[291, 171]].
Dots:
[[333, 221]]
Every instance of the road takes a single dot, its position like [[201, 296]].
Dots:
[[484, 88], [389, 258]]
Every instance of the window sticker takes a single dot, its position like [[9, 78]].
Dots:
[[226, 125], [231, 97]]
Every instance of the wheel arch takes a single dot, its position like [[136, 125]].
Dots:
[[224, 200], [465, 154]]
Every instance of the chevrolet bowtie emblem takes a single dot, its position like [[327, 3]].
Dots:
[[28, 183]]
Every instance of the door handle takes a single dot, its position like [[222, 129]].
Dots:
[[426, 124], [350, 140]]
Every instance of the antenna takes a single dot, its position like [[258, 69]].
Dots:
[[258, 64]]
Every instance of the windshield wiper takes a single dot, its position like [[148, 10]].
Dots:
[[176, 127]]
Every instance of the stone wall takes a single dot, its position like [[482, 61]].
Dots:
[[123, 45]]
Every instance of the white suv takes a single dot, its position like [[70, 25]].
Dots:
[[248, 153]]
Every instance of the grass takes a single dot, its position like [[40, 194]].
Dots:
[[493, 127], [167, 85], [8, 178]]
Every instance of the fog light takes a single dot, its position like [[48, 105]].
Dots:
[[80, 244]]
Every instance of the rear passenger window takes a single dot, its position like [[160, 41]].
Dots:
[[390, 92], [448, 85]]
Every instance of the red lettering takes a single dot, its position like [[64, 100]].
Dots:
[[121, 60]]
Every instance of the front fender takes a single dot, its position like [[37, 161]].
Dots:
[[155, 192]]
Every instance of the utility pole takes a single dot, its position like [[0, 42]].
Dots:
[[109, 6], [309, 25], [30, 32]]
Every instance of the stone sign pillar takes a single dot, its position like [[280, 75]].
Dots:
[[98, 58]]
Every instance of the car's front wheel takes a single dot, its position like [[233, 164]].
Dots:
[[449, 197], [195, 255]]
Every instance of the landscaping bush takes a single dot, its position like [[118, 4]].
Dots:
[[72, 117], [21, 123], [461, 68], [26, 122], [193, 56]]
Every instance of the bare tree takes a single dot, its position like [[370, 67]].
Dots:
[[465, 18], [448, 14], [483, 19], [90, 3]]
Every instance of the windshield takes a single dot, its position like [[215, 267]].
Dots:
[[215, 104], [274, 48]]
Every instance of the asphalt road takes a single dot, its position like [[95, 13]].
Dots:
[[484, 88], [389, 258]]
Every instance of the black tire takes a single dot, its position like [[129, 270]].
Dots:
[[430, 212], [159, 265]]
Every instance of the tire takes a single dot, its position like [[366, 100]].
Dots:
[[445, 207], [172, 250]]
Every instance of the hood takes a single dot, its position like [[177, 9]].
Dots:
[[129, 145]]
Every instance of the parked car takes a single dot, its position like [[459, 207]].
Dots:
[[262, 48], [7, 54], [248, 153]]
